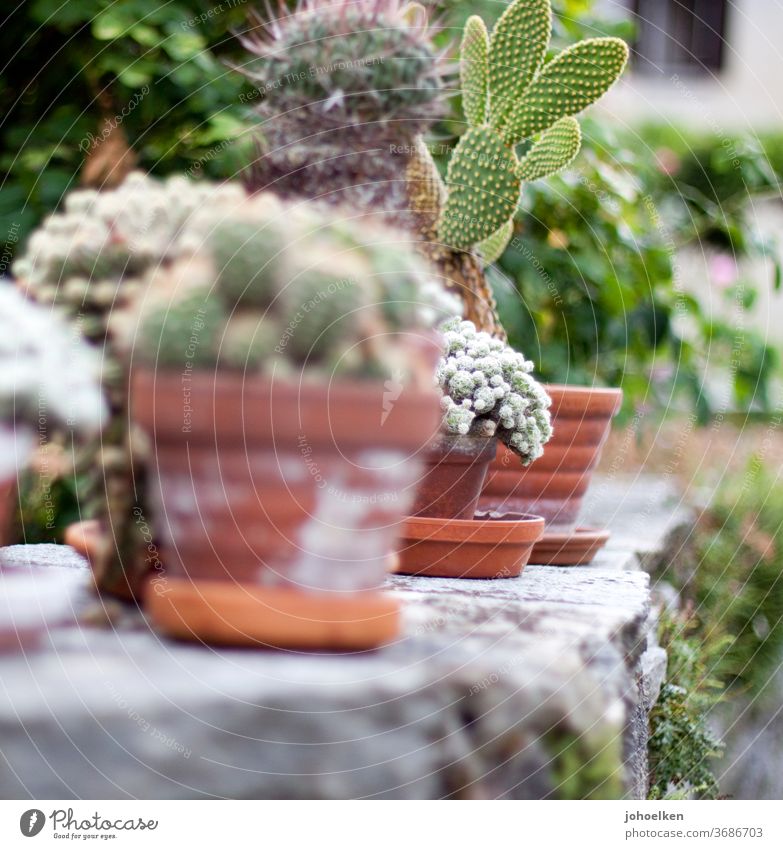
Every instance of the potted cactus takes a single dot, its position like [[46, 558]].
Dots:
[[347, 136], [88, 260], [49, 382], [488, 394], [283, 373], [354, 128]]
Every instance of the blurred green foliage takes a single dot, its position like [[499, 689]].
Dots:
[[732, 570], [681, 745], [156, 69]]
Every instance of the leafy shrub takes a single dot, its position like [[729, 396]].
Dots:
[[681, 745]]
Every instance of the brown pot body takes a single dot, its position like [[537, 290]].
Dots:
[[555, 485], [456, 469], [7, 489], [277, 484], [468, 548]]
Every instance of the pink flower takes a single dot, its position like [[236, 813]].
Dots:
[[723, 270]]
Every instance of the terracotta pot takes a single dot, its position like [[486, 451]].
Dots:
[[456, 469], [483, 547], [7, 490], [555, 484], [300, 489], [84, 537], [577, 548]]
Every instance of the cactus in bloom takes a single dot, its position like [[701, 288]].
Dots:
[[488, 391], [336, 299], [511, 95]]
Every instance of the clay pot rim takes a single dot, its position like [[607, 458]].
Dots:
[[229, 381], [478, 531], [602, 400], [581, 535]]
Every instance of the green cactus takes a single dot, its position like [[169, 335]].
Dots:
[[331, 297], [483, 188], [491, 249], [556, 149], [473, 71], [357, 63], [517, 50], [525, 98], [567, 85]]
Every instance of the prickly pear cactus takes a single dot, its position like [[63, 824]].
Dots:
[[511, 95]]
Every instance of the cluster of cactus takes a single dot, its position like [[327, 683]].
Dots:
[[354, 63], [88, 261], [488, 390], [512, 95], [48, 377], [275, 290]]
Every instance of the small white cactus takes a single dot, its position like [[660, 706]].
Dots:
[[488, 390]]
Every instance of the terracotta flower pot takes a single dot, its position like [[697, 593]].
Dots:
[[456, 469], [554, 485], [279, 503], [483, 547], [6, 510]]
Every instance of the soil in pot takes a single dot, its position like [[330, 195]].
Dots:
[[554, 486], [456, 469], [487, 546], [277, 505]]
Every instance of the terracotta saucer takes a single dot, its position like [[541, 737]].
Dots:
[[83, 536], [484, 547], [572, 548], [233, 614]]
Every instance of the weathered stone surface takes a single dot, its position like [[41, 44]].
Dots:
[[489, 679]]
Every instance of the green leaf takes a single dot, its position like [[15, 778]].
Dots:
[[517, 49], [473, 71], [565, 86]]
